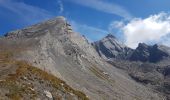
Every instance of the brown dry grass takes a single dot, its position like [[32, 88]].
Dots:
[[23, 68]]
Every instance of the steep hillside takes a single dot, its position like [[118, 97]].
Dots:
[[152, 75], [19, 80], [55, 48]]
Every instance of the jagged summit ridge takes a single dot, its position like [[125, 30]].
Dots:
[[41, 28], [146, 53], [110, 36], [110, 47]]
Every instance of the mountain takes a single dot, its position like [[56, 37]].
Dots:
[[51, 51], [153, 53], [148, 65], [109, 47]]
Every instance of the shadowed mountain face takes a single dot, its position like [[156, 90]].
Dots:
[[109, 47], [54, 47], [146, 53]]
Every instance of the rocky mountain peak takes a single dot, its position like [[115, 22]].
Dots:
[[147, 53], [110, 36], [109, 47], [61, 18], [141, 53], [42, 29], [142, 46]]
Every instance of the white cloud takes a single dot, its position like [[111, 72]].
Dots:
[[106, 7], [61, 6], [115, 28], [154, 29], [26, 13], [92, 33]]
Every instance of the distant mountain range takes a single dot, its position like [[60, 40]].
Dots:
[[149, 65], [110, 48], [49, 61]]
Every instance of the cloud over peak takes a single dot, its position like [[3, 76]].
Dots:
[[154, 29]]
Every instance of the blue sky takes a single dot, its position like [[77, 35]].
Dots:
[[93, 18]]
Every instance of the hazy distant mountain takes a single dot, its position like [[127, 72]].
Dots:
[[53, 47]]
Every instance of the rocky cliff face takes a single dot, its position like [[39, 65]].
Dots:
[[55, 48], [109, 47], [147, 53]]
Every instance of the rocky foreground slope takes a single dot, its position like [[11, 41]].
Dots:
[[55, 48], [21, 81]]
